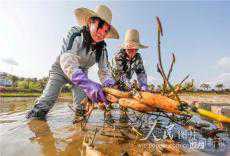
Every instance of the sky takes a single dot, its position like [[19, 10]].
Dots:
[[197, 32]]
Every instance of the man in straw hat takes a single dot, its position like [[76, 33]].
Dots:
[[128, 61], [82, 47]]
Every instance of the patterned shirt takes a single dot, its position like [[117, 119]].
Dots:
[[128, 67]]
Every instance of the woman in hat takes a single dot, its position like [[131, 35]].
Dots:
[[82, 47], [128, 61]]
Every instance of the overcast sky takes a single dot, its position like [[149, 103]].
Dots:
[[197, 32]]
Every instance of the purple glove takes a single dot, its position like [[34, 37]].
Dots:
[[92, 89], [142, 80], [109, 83]]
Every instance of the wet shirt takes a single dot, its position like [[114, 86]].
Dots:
[[128, 67], [75, 56]]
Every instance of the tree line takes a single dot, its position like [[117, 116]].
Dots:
[[37, 85]]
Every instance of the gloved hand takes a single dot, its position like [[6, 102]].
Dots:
[[92, 89], [126, 82], [109, 83], [142, 80]]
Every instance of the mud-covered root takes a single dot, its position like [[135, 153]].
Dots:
[[145, 98], [158, 101], [135, 105], [111, 98], [117, 93]]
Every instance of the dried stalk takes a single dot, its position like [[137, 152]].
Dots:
[[159, 65], [184, 80], [171, 66]]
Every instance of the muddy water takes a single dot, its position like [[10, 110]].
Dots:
[[58, 135]]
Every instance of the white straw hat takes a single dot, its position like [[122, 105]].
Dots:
[[132, 40], [101, 11]]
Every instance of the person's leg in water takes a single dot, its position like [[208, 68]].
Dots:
[[48, 97]]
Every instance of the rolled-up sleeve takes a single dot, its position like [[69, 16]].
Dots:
[[104, 71]]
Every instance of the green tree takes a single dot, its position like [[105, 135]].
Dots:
[[27, 83], [205, 86], [42, 82], [219, 86], [189, 86], [34, 79], [14, 80]]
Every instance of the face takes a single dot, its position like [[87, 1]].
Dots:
[[98, 35], [131, 53]]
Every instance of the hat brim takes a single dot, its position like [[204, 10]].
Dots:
[[83, 15], [133, 45]]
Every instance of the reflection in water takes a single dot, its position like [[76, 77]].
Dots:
[[43, 136], [64, 141], [51, 144]]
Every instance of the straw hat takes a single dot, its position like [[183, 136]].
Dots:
[[101, 11], [132, 40]]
